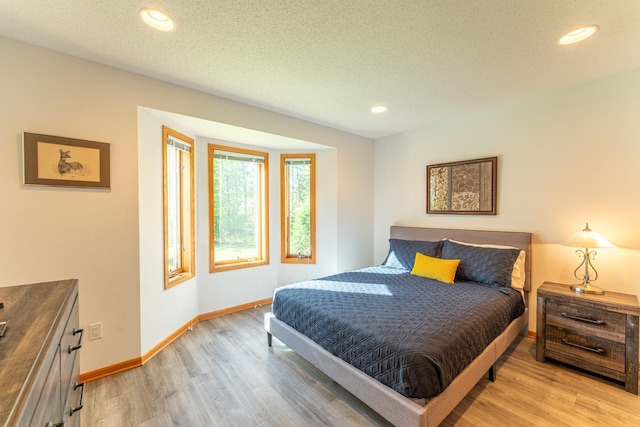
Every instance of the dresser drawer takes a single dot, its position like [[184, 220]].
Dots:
[[597, 333], [585, 348], [49, 405], [70, 346], [586, 320], [74, 398]]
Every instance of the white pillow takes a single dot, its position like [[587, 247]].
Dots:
[[518, 272]]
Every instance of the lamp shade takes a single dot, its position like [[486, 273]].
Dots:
[[588, 238]]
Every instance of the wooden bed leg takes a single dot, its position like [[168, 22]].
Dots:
[[269, 337], [492, 373]]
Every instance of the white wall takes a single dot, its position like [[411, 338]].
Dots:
[[160, 310], [234, 287], [326, 225], [563, 159], [107, 238], [167, 310], [49, 233]]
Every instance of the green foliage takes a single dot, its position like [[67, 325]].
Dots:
[[299, 194], [301, 230], [236, 208]]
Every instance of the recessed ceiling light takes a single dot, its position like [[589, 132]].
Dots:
[[157, 19], [379, 109], [578, 34]]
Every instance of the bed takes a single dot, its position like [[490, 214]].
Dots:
[[412, 377]]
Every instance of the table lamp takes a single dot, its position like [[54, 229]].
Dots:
[[587, 239]]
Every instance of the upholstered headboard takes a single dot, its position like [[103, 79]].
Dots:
[[517, 239]]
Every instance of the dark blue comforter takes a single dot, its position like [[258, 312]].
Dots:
[[412, 334]]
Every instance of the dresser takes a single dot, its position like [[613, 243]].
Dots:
[[39, 367], [597, 333]]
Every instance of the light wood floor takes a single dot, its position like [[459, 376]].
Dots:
[[223, 374]]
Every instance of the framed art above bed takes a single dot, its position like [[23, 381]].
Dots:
[[464, 188]]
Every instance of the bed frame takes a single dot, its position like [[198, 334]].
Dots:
[[397, 409]]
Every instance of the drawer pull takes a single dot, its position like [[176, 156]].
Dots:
[[583, 319], [76, 347], [77, 408], [60, 424], [583, 347]]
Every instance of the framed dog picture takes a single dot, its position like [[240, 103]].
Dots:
[[66, 162]]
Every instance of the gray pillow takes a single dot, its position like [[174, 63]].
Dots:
[[488, 266], [402, 253]]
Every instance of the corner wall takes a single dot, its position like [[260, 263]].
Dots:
[[564, 158], [161, 309], [95, 235]]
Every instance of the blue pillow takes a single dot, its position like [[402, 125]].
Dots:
[[488, 266], [402, 253]]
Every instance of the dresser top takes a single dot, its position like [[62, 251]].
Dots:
[[33, 313], [612, 300]]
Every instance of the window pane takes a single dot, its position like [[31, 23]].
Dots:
[[173, 209], [299, 206], [178, 209], [237, 208]]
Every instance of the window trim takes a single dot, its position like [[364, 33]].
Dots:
[[264, 223], [187, 212], [285, 257]]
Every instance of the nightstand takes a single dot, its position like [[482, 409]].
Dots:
[[597, 333]]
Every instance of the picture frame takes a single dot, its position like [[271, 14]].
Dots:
[[65, 162], [463, 188]]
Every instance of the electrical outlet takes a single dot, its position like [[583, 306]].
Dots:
[[95, 331]]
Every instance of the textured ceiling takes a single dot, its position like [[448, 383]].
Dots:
[[330, 61]]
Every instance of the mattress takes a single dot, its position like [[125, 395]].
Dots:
[[412, 334]]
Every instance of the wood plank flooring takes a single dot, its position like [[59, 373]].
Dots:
[[223, 374]]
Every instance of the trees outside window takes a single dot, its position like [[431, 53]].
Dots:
[[298, 213], [238, 203]]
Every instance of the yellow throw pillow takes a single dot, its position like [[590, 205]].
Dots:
[[442, 270]]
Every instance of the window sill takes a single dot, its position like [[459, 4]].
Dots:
[[177, 279], [237, 265], [298, 260]]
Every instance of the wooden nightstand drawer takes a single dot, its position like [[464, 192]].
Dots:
[[598, 333], [587, 320], [585, 348]]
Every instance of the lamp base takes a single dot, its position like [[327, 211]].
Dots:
[[587, 288]]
